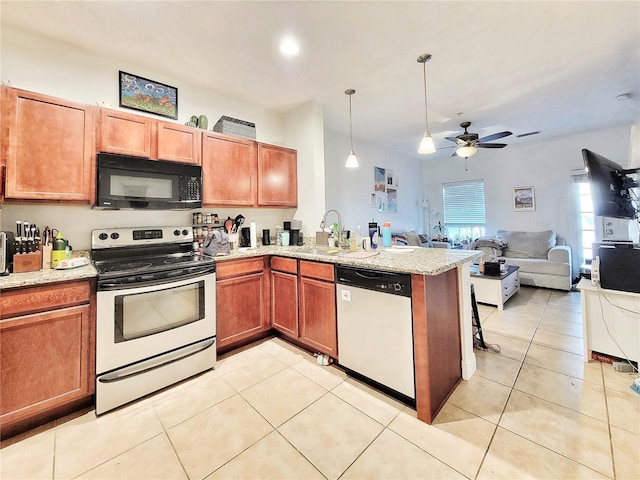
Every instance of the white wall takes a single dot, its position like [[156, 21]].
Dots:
[[348, 190], [545, 164], [304, 127], [45, 66]]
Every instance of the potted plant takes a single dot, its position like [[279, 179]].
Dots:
[[441, 235]]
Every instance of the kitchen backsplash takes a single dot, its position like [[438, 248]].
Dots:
[[76, 222]]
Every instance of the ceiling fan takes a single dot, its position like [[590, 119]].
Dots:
[[467, 144]]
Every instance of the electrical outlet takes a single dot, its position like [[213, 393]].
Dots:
[[345, 295]]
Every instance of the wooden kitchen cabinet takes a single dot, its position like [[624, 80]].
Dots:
[[129, 134], [125, 133], [284, 299], [242, 300], [277, 176], [48, 148], [317, 307], [229, 170], [242, 173], [47, 352], [179, 143]]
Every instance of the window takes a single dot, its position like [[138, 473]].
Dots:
[[464, 210], [587, 222]]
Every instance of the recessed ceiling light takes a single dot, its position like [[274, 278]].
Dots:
[[623, 96], [289, 46]]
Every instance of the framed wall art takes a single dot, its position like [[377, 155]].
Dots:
[[392, 200], [379, 179], [524, 199], [146, 95]]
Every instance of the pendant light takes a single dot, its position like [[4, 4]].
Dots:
[[426, 145], [352, 160]]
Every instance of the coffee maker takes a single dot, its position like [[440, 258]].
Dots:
[[296, 237], [245, 237]]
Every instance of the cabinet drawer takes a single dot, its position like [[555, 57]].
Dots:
[[234, 268], [509, 288], [321, 271], [288, 265], [24, 301]]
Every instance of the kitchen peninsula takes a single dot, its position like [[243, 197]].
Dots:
[[441, 308]]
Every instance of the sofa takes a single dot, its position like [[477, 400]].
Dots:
[[543, 257], [410, 238], [414, 239]]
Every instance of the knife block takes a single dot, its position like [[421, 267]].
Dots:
[[27, 262]]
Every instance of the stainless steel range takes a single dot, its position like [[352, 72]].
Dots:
[[156, 322]]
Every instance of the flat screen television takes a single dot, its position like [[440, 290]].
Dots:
[[610, 187]]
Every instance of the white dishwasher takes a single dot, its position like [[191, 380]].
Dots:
[[375, 329]]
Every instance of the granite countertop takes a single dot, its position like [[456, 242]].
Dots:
[[40, 277], [423, 261]]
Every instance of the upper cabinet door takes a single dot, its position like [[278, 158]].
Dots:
[[127, 134], [277, 176], [228, 170], [178, 143], [49, 147]]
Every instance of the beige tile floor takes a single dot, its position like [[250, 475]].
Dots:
[[535, 410]]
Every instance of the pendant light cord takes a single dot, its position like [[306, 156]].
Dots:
[[426, 110], [350, 124]]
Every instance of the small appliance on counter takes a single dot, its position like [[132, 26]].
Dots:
[[294, 227], [245, 237], [7, 249]]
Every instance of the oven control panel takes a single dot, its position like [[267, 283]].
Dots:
[[132, 236]]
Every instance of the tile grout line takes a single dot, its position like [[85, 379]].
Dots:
[[512, 388]]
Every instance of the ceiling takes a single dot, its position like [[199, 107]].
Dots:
[[555, 67]]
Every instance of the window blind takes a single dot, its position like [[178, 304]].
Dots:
[[464, 203]]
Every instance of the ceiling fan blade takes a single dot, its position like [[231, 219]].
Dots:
[[495, 136], [491, 145], [452, 139], [446, 148]]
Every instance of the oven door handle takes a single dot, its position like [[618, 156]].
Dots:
[[106, 285], [157, 362]]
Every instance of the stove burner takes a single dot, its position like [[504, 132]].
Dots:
[[172, 260], [118, 266]]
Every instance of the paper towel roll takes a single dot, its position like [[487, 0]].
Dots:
[[253, 235]]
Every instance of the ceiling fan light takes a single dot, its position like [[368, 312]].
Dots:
[[426, 144], [466, 151], [352, 160]]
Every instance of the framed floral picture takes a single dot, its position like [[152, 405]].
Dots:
[[524, 199], [146, 95]]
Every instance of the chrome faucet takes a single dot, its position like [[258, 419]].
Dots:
[[324, 221]]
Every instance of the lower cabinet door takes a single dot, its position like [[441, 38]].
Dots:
[[45, 360], [318, 328], [284, 303], [242, 308]]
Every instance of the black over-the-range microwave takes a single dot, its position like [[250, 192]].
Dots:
[[140, 183]]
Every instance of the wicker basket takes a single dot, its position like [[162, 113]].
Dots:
[[235, 127]]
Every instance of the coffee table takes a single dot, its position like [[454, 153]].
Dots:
[[494, 289]]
